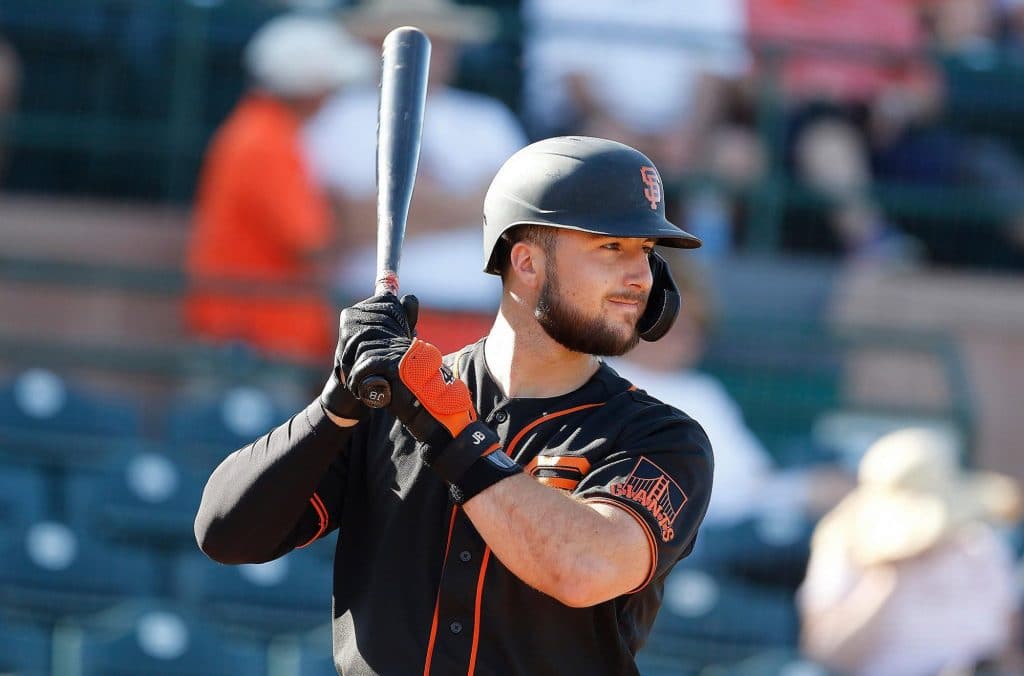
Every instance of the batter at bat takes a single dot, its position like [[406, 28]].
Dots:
[[517, 505]]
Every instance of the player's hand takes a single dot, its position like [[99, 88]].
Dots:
[[438, 411], [374, 319], [425, 395]]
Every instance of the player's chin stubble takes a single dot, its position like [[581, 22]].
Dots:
[[568, 327]]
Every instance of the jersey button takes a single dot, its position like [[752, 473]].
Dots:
[[456, 627], [501, 416], [465, 556]]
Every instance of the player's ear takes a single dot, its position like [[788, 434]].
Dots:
[[526, 261]]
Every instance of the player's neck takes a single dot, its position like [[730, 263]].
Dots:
[[526, 362]]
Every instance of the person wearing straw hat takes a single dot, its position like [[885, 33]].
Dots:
[[908, 575], [261, 223]]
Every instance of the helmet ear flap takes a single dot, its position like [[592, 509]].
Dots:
[[663, 304]]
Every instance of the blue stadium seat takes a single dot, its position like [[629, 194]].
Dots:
[[46, 420], [707, 619], [316, 652], [768, 550], [23, 497], [158, 638], [205, 429], [25, 649], [770, 662], [286, 595], [50, 571], [323, 548], [143, 496]]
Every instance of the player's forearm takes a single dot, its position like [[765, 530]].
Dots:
[[557, 544], [254, 499]]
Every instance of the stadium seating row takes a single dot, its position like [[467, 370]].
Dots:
[[157, 638]]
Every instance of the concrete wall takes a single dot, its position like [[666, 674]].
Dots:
[[983, 314]]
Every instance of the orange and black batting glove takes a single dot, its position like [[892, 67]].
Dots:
[[438, 411]]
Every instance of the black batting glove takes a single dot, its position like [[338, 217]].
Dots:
[[438, 411], [374, 319]]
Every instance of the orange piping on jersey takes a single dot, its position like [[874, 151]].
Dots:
[[651, 542], [510, 449], [437, 602], [318, 504], [321, 513], [476, 610]]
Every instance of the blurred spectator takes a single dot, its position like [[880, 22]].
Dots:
[[658, 78], [261, 223], [907, 575], [853, 82], [747, 485], [1012, 25], [466, 136], [10, 81], [974, 148], [964, 27]]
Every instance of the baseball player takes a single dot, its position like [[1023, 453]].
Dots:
[[517, 505]]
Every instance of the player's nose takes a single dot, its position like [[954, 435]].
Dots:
[[638, 275]]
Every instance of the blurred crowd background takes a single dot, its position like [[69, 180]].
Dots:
[[187, 198]]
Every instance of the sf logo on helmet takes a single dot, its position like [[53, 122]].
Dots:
[[652, 185]]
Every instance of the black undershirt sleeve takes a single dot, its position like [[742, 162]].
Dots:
[[255, 500]]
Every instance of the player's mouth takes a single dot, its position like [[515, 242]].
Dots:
[[633, 302]]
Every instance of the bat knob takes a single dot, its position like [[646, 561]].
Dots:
[[375, 392]]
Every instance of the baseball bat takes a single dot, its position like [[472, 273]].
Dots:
[[405, 61]]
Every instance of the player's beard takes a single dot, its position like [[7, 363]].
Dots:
[[573, 330]]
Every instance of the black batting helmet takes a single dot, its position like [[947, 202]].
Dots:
[[579, 183]]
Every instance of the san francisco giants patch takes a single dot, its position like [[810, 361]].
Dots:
[[650, 487]]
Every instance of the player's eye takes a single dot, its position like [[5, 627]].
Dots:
[[612, 246], [649, 249]]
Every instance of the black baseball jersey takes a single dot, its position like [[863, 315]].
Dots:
[[416, 588]]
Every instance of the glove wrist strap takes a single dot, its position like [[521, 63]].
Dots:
[[473, 461]]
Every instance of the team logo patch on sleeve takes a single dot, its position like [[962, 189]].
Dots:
[[653, 489]]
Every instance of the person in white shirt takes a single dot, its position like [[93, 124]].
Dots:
[[908, 575], [466, 138], [652, 75]]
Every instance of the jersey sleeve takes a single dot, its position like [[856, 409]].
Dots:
[[323, 513], [278, 492], [661, 475]]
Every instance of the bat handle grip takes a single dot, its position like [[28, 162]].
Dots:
[[375, 391]]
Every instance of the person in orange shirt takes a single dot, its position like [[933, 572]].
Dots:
[[262, 227]]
